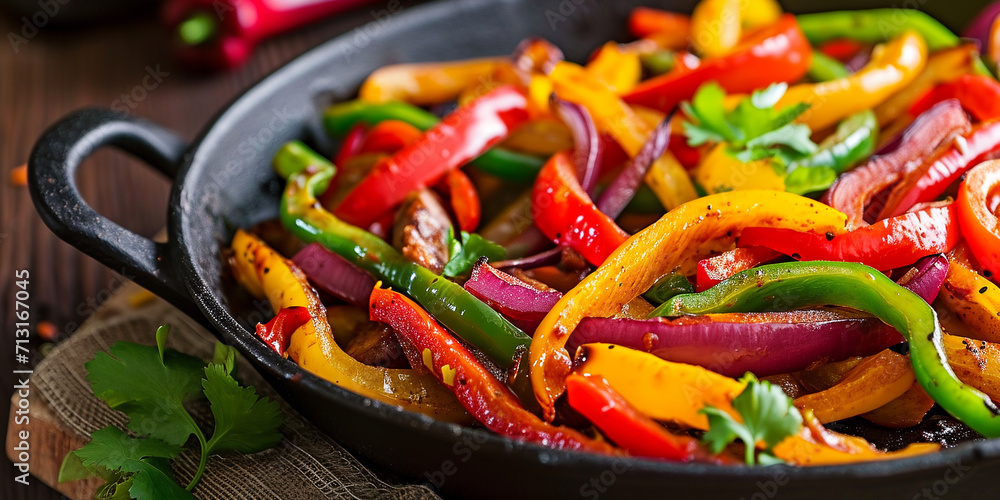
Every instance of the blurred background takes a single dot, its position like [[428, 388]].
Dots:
[[146, 58]]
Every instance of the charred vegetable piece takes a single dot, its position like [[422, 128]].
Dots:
[[420, 231]]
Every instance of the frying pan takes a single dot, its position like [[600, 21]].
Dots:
[[223, 181]]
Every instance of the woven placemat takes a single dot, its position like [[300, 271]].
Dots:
[[306, 464]]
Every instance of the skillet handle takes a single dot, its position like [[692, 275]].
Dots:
[[52, 182]]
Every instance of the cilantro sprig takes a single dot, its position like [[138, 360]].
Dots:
[[154, 387], [465, 252], [768, 415], [754, 130]]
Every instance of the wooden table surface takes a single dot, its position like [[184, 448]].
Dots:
[[57, 72]]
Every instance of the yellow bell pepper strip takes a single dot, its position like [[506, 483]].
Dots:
[[942, 66], [268, 275], [675, 392], [976, 363], [717, 25], [666, 177], [720, 172], [977, 202], [618, 69], [425, 84], [636, 433], [874, 383], [467, 316], [892, 67], [457, 369], [907, 410], [691, 229], [777, 53], [798, 284], [567, 216], [454, 141], [545, 136], [975, 299]]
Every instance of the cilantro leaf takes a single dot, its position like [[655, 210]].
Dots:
[[225, 356], [754, 129], [114, 450], [132, 378], [768, 415], [244, 422], [465, 253]]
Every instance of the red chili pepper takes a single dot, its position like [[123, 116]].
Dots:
[[979, 95], [567, 216], [887, 244], [389, 136], [841, 49], [636, 433], [464, 200], [777, 53], [451, 143], [277, 333], [644, 22], [715, 269], [486, 398], [934, 176], [351, 145], [218, 34], [978, 200]]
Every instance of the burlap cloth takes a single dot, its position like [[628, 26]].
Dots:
[[306, 464]]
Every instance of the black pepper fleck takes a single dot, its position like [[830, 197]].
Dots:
[[982, 290]]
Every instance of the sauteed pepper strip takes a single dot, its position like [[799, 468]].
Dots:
[[644, 258], [340, 118], [977, 213], [809, 284], [887, 244], [308, 174], [457, 139], [875, 26], [486, 398], [891, 68], [429, 83], [779, 53], [267, 274]]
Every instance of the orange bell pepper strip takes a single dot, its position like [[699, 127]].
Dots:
[[646, 21], [718, 25], [691, 229], [266, 274], [978, 200], [815, 446], [975, 299], [907, 410], [427, 83], [892, 67], [567, 216], [875, 382], [464, 200], [458, 370], [620, 70]]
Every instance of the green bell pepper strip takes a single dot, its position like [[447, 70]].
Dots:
[[504, 163], [308, 173], [853, 141], [668, 287], [879, 25], [824, 68], [790, 285]]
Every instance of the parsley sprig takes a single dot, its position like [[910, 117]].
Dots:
[[754, 130], [154, 387], [768, 415]]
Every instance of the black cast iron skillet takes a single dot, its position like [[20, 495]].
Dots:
[[223, 182]]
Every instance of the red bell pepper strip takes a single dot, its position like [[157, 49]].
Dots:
[[887, 244], [853, 190], [644, 22], [277, 333], [482, 395], [933, 177], [451, 143], [979, 95], [715, 269], [464, 200], [841, 49], [636, 433], [777, 53], [978, 200], [351, 145], [390, 136], [567, 216], [689, 156]]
